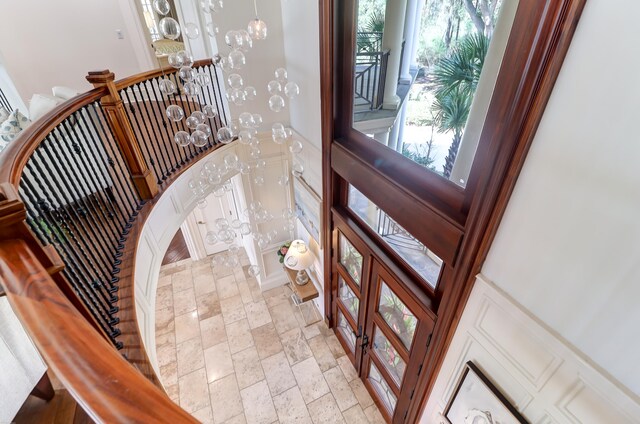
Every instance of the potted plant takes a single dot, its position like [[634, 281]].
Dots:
[[282, 252]]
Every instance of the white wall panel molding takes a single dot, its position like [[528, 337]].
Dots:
[[543, 376]]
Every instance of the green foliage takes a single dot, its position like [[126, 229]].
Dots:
[[420, 154]]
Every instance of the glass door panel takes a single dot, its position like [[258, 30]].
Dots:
[[390, 358], [350, 259], [348, 298], [382, 388], [348, 334], [396, 314]]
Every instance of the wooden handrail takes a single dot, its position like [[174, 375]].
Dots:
[[143, 76], [105, 385], [14, 158]]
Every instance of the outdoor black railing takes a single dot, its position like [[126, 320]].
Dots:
[[370, 75], [369, 42]]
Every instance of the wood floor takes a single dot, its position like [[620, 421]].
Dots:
[[177, 250], [62, 409]]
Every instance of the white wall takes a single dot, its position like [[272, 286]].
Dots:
[[568, 246], [541, 376], [47, 43], [262, 60]]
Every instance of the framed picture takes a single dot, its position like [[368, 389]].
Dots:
[[308, 207], [477, 401]]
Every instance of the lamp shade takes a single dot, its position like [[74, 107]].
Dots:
[[298, 257]]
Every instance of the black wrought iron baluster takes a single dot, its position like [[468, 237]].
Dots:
[[95, 186], [139, 135], [75, 258], [116, 198], [124, 175], [55, 153], [153, 138], [158, 122], [219, 105], [169, 128], [178, 97], [206, 97]]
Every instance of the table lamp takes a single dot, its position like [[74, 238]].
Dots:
[[299, 258]]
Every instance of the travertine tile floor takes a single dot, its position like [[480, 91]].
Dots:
[[229, 353]]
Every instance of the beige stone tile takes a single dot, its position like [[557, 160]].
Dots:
[[232, 309], [291, 408], [203, 281], [239, 335], [184, 301], [310, 380], [373, 415], [182, 280], [238, 419], [245, 292], [310, 331], [190, 356], [212, 331], [174, 393], [257, 314], [166, 352], [325, 411], [347, 368], [194, 392], [278, 373], [227, 287], [164, 318], [355, 415], [295, 346], [218, 361], [208, 305], [169, 374], [266, 340], [226, 402], [275, 296], [166, 334], [164, 297], [361, 393], [164, 281], [335, 346], [283, 317], [187, 326], [258, 405], [256, 291], [205, 416], [247, 367], [322, 353], [340, 388]]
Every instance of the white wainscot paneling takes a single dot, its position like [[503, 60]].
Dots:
[[546, 379]]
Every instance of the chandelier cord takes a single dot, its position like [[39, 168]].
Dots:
[[255, 7]]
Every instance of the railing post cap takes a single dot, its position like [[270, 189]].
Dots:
[[104, 76]]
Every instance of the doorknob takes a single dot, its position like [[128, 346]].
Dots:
[[202, 222], [365, 342]]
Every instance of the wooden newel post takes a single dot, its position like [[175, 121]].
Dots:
[[141, 175]]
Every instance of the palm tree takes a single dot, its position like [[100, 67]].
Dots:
[[454, 82]]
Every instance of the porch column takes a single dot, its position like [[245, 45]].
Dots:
[[392, 40], [395, 130], [382, 137], [401, 122], [416, 34], [411, 26]]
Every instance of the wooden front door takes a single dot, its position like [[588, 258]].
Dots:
[[381, 321]]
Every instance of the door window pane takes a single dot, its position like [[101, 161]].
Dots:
[[351, 259], [348, 297], [389, 356], [346, 331], [412, 251], [382, 388], [397, 315]]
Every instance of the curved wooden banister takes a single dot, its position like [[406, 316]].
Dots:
[[143, 76], [15, 156], [104, 384]]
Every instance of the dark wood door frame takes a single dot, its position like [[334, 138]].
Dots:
[[537, 46]]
